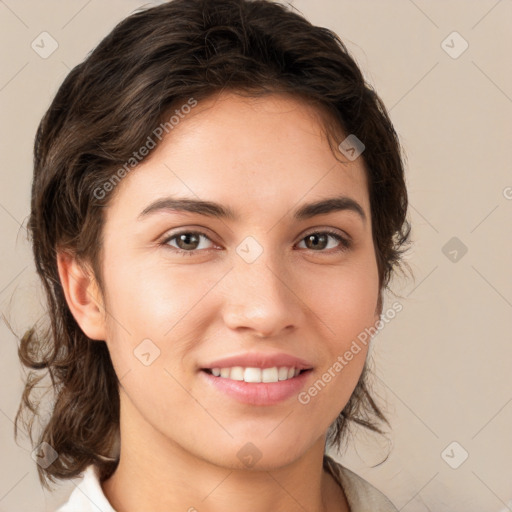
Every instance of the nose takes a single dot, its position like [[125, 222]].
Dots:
[[260, 298]]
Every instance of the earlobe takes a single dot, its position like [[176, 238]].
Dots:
[[83, 295]]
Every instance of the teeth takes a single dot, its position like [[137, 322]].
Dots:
[[274, 374], [283, 373], [237, 373], [269, 374]]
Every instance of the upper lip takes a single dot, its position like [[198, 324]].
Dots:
[[260, 360]]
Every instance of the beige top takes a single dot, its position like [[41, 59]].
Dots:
[[361, 495]]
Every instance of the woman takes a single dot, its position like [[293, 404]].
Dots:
[[218, 205]]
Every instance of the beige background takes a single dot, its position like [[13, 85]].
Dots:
[[444, 363]]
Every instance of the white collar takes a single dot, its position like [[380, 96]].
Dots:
[[88, 495]]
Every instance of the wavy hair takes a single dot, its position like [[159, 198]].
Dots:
[[106, 108]]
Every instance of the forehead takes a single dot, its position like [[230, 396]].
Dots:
[[252, 154]]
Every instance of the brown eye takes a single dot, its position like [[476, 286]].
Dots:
[[319, 241], [186, 241]]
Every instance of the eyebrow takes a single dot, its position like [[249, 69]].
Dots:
[[212, 209]]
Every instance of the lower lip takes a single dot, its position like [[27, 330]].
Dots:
[[258, 393]]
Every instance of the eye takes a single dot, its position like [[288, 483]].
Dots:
[[187, 241], [318, 240]]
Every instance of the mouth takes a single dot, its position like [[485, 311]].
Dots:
[[257, 386], [257, 375]]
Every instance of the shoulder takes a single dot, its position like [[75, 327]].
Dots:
[[88, 495], [361, 495]]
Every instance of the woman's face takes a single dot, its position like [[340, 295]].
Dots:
[[263, 283]]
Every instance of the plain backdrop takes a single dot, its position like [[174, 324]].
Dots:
[[443, 365]]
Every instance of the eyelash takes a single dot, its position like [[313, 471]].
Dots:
[[345, 243]]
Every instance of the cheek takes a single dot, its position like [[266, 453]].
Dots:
[[148, 332], [160, 303], [152, 297], [345, 300]]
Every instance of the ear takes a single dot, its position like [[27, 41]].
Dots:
[[82, 295]]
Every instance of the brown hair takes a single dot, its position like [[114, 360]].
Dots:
[[106, 109]]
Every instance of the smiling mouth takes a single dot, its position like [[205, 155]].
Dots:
[[256, 375]]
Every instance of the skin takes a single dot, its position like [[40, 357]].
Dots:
[[179, 437]]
